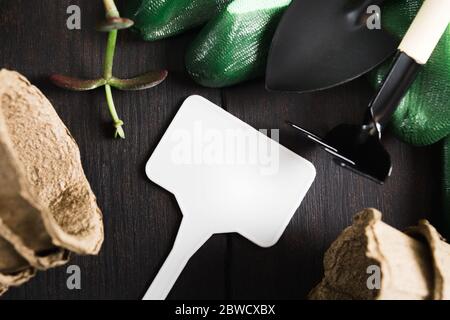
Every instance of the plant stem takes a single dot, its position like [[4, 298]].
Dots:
[[111, 9], [111, 12], [110, 101], [107, 74], [109, 56], [112, 109]]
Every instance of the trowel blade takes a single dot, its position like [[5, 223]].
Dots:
[[320, 44]]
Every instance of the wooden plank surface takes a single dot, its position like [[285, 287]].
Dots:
[[292, 267], [141, 219]]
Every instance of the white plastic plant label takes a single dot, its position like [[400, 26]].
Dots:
[[226, 177]]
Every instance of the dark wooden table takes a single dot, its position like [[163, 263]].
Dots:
[[141, 219]]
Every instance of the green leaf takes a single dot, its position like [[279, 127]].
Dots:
[[119, 134], [76, 84], [142, 82], [112, 24]]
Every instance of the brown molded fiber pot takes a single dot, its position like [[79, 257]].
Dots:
[[46, 204], [412, 265], [440, 254], [14, 269]]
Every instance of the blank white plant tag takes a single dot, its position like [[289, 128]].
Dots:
[[226, 177]]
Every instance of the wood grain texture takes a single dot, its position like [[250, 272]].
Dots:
[[141, 219]]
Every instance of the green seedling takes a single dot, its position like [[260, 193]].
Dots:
[[112, 25]]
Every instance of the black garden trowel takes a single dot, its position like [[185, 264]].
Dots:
[[323, 43], [358, 147]]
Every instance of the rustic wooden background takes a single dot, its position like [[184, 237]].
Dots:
[[141, 219]]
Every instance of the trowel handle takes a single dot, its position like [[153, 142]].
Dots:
[[426, 30], [414, 51], [189, 240]]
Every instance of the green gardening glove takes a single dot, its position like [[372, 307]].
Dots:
[[423, 116], [233, 46], [158, 19]]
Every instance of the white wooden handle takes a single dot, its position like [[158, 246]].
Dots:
[[189, 240], [427, 28]]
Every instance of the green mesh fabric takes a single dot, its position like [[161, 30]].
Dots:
[[233, 47], [157, 19], [423, 116]]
